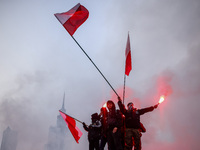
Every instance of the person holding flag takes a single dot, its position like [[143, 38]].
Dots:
[[94, 132], [114, 127], [132, 124]]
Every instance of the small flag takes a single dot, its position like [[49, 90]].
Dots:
[[128, 66], [73, 18], [71, 123]]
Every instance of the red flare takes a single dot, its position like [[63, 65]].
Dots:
[[105, 105], [162, 98]]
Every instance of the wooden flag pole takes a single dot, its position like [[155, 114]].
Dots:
[[95, 65]]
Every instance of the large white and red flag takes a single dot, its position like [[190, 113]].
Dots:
[[128, 66], [73, 18], [71, 123]]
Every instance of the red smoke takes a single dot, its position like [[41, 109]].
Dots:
[[163, 86]]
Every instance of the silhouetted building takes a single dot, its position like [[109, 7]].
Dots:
[[9, 140], [57, 134]]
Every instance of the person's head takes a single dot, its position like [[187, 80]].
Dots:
[[95, 117], [130, 106], [110, 105]]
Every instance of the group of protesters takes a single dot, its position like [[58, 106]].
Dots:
[[119, 128]]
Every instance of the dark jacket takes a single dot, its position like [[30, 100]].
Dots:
[[132, 117], [94, 131], [114, 119]]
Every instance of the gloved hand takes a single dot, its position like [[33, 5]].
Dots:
[[119, 99], [84, 124]]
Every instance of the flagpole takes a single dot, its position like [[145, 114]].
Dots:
[[72, 117], [95, 65], [127, 52], [124, 87]]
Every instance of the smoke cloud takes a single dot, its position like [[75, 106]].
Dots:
[[40, 62]]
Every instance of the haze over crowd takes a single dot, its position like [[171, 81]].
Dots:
[[39, 62]]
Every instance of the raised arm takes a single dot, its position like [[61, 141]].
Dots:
[[147, 109], [121, 106], [85, 127]]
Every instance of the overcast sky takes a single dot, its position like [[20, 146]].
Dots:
[[39, 62]]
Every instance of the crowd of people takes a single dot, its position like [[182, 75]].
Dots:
[[120, 128]]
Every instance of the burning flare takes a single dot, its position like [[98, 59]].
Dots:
[[162, 98], [105, 105]]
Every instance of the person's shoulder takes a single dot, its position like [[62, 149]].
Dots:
[[137, 111]]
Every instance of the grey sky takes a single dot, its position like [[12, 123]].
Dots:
[[39, 61]]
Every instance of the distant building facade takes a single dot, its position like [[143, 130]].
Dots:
[[57, 134], [9, 140]]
